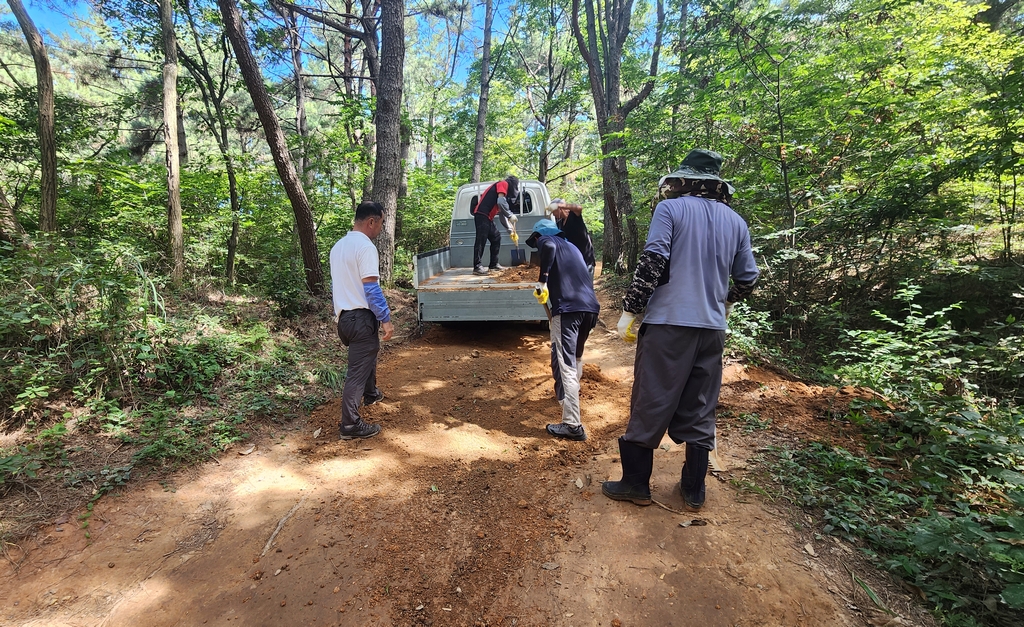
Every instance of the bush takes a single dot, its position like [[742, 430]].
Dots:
[[938, 498], [70, 321]]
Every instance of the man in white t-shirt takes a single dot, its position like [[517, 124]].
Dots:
[[361, 310]]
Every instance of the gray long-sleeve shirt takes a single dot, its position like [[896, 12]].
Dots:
[[705, 243]]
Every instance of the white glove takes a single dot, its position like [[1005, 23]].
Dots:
[[728, 309], [541, 293], [513, 219], [625, 327]]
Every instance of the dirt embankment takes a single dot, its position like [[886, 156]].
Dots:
[[462, 512]]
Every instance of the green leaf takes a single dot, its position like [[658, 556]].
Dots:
[[1009, 476], [1016, 523], [1014, 595]]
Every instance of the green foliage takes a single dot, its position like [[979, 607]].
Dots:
[[920, 351], [80, 327], [938, 496], [427, 215], [748, 332], [868, 143], [27, 460], [22, 463], [330, 377], [754, 422], [70, 321]]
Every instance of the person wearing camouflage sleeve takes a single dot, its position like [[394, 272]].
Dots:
[[695, 244]]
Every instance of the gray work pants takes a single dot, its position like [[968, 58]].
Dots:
[[677, 376], [357, 329], [569, 333]]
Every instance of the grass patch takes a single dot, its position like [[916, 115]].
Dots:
[[109, 383]]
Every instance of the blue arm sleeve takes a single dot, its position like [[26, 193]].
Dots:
[[375, 298]]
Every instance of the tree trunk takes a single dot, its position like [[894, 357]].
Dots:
[[369, 151], [253, 78], [213, 102], [601, 47], [485, 88], [403, 186], [542, 161], [387, 171], [47, 135], [429, 151], [182, 140], [236, 214], [174, 228], [10, 229], [295, 44], [612, 250]]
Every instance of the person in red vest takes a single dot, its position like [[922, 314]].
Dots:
[[496, 199]]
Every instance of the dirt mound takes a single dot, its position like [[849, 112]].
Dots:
[[518, 274], [756, 399], [592, 372]]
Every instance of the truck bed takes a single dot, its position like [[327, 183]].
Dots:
[[446, 294], [464, 279]]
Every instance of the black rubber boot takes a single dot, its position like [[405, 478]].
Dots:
[[691, 483], [637, 463]]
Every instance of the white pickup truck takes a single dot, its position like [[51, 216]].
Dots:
[[446, 288]]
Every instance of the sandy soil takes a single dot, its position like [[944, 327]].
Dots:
[[462, 512], [518, 274]]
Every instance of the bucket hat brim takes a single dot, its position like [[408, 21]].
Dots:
[[690, 173], [700, 165]]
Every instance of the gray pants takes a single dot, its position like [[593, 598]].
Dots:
[[357, 329], [677, 376], [569, 333]]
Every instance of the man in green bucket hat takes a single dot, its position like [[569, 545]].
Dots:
[[695, 244]]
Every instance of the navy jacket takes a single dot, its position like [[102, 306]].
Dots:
[[569, 283]]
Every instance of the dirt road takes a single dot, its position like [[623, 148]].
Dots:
[[463, 512]]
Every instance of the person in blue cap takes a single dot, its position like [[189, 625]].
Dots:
[[566, 285]]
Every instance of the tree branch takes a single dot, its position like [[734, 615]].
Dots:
[[645, 91]]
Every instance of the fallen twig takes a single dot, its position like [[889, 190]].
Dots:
[[666, 507], [280, 524], [25, 485]]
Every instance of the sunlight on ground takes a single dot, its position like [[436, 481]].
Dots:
[[265, 474], [428, 385], [467, 440]]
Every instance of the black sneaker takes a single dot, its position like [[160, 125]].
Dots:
[[361, 431], [482, 271], [498, 268], [370, 400], [567, 432]]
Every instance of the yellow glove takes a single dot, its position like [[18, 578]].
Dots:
[[541, 293], [625, 327], [515, 236]]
